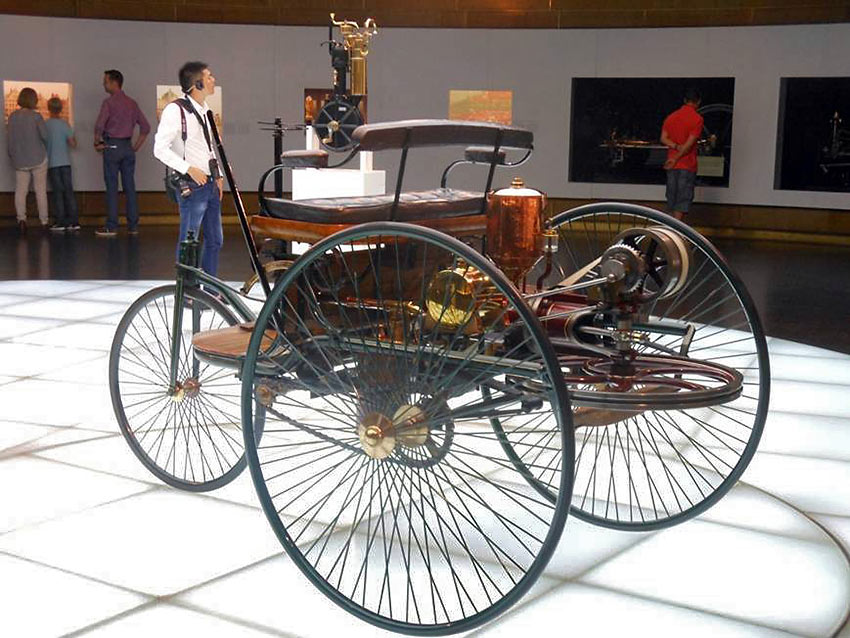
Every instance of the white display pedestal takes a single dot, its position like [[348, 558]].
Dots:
[[310, 183]]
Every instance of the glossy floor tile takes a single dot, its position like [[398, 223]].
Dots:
[[151, 620], [87, 531], [40, 601]]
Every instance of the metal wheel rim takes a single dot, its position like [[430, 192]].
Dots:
[[560, 509]]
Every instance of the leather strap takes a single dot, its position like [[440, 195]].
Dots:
[[185, 104]]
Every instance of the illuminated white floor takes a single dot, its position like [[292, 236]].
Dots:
[[91, 544]]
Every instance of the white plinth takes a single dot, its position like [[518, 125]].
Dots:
[[310, 183]]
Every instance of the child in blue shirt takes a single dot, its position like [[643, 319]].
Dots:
[[59, 138]]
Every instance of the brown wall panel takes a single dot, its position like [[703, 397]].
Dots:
[[120, 10], [698, 17], [802, 14], [813, 225], [505, 6], [728, 220], [55, 8], [433, 6], [601, 18], [401, 17], [512, 19], [229, 14], [534, 14]]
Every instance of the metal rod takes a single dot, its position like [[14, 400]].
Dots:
[[187, 256], [560, 315], [578, 286], [240, 208], [278, 153], [400, 179], [497, 144]]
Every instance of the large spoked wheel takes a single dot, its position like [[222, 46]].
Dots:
[[379, 470], [191, 440], [658, 449]]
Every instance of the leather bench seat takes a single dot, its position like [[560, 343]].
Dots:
[[412, 206]]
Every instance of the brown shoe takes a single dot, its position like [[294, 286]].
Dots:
[[22, 227]]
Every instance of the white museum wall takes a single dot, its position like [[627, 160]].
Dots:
[[264, 69]]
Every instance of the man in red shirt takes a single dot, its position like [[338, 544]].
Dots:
[[113, 135], [680, 132]]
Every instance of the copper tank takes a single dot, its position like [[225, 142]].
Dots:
[[514, 228]]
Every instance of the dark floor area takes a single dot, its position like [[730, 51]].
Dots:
[[802, 291]]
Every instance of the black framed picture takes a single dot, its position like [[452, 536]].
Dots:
[[813, 141], [615, 128]]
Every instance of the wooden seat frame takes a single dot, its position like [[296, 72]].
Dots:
[[485, 142]]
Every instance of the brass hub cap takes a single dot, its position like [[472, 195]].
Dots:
[[377, 435], [188, 389], [265, 395], [411, 426], [192, 388]]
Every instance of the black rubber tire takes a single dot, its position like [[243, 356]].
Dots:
[[140, 356]]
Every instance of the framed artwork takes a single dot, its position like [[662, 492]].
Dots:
[[813, 140], [167, 93], [615, 128], [45, 90], [481, 106]]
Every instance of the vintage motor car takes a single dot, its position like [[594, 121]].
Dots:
[[429, 390]]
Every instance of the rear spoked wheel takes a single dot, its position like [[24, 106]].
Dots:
[[379, 469], [664, 443]]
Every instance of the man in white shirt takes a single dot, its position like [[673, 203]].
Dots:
[[200, 204]]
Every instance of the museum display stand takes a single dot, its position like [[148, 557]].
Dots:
[[310, 183]]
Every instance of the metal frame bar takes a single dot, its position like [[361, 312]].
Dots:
[[402, 163], [444, 179], [240, 208], [497, 144]]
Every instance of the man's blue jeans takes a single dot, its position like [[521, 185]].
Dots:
[[202, 210], [120, 160]]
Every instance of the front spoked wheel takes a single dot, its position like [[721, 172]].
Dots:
[[191, 439], [379, 469], [663, 442]]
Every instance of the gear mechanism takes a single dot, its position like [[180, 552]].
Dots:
[[644, 264], [625, 268]]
